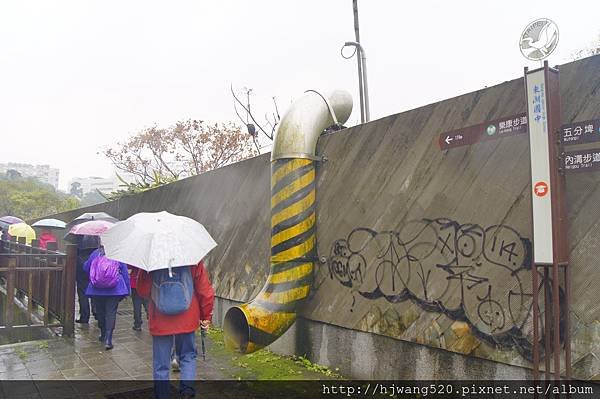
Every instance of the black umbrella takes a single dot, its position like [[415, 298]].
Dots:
[[202, 335], [85, 241]]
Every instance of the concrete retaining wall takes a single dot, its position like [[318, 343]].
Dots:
[[422, 246]]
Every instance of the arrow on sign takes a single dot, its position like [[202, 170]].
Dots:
[[490, 130]]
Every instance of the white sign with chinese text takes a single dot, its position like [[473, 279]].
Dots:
[[540, 167]]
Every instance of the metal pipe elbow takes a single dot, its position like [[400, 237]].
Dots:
[[301, 126]]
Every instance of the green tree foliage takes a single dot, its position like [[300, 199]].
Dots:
[[12, 174], [27, 198]]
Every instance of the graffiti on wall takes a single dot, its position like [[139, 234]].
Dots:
[[471, 273]]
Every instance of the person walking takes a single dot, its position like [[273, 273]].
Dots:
[[136, 299], [169, 328], [82, 281], [45, 238], [109, 284]]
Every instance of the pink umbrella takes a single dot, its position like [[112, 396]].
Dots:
[[91, 228]]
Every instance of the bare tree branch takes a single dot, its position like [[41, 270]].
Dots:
[[247, 108], [592, 49], [276, 109]]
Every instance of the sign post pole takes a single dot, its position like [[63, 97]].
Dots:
[[550, 247]]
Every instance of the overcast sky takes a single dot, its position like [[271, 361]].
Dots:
[[78, 76]]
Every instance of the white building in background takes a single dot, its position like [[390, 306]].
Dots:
[[43, 173], [105, 185]]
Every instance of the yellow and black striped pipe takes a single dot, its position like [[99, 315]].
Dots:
[[293, 252], [258, 323]]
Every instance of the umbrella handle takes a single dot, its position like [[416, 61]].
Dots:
[[202, 335]]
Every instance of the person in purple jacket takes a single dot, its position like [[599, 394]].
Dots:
[[107, 299]]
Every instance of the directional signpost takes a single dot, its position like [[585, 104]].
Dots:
[[550, 249], [548, 163], [575, 133], [570, 134]]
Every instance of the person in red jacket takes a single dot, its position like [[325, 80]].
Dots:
[[180, 329], [45, 238], [136, 299]]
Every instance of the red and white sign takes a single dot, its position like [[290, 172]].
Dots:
[[539, 147], [541, 189]]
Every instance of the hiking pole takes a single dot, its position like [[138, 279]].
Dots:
[[202, 335]]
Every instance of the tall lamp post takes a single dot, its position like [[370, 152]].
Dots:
[[361, 59]]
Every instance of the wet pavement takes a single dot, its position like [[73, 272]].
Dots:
[[84, 357], [81, 367]]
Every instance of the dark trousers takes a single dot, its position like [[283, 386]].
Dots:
[[106, 310], [84, 302], [138, 302]]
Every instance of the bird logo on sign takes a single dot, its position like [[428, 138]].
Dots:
[[541, 189], [539, 39]]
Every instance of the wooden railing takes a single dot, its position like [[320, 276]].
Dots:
[[39, 283]]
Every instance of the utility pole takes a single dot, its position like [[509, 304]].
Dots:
[[358, 61]]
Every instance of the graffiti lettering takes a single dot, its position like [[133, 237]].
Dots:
[[473, 274]]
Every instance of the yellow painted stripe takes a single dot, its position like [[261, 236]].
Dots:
[[267, 320], [291, 188], [295, 252], [284, 297], [294, 209], [254, 312], [295, 273], [294, 231], [286, 169]]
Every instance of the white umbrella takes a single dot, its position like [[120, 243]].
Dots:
[[50, 223], [154, 241]]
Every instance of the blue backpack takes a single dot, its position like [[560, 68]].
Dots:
[[172, 293]]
